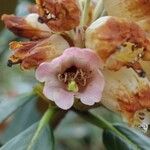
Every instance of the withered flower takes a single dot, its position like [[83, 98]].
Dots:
[[59, 15], [134, 10], [127, 93], [32, 53], [28, 27], [118, 42]]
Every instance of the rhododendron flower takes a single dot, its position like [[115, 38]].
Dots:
[[59, 15], [127, 93], [118, 42], [30, 54], [73, 75], [28, 27], [131, 9]]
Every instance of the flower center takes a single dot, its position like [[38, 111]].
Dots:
[[75, 78]]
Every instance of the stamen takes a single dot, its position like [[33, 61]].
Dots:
[[76, 75], [82, 74], [74, 78], [60, 78], [66, 76], [83, 83]]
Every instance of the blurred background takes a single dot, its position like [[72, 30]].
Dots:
[[6, 6]]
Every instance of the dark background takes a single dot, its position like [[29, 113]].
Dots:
[[6, 7]]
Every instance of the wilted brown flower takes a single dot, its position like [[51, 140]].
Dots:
[[27, 27], [134, 10], [31, 54], [128, 94], [118, 42], [59, 15]]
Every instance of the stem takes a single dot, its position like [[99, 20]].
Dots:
[[47, 117], [104, 13], [59, 115], [85, 12], [101, 123], [98, 10], [38, 91]]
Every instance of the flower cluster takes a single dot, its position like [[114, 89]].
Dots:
[[81, 55]]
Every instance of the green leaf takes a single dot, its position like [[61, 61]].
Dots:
[[7, 107], [113, 141], [118, 136], [47, 117], [21, 141], [22, 120]]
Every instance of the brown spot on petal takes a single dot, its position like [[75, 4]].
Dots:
[[20, 27], [31, 54], [129, 104], [59, 15]]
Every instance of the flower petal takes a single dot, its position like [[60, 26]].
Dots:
[[82, 57], [49, 89], [48, 70], [32, 54], [42, 72], [145, 25], [131, 9], [59, 15], [112, 37], [93, 93], [62, 98], [24, 28], [32, 20]]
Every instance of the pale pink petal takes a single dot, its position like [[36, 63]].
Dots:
[[42, 72], [93, 91], [82, 57], [63, 99], [50, 87], [48, 69]]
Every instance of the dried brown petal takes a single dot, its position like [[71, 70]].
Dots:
[[59, 15], [118, 42], [31, 54], [134, 102], [131, 9], [21, 27], [126, 93]]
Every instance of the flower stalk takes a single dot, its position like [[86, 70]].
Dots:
[[98, 10], [38, 91], [47, 117], [85, 12]]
